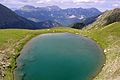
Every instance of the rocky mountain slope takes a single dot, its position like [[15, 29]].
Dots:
[[65, 17], [47, 24], [9, 19], [107, 18]]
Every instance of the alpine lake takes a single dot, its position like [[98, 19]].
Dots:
[[59, 56]]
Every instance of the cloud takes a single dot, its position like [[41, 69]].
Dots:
[[100, 4], [116, 5], [71, 1], [88, 1], [54, 1]]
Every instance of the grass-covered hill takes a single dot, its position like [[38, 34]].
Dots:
[[13, 40]]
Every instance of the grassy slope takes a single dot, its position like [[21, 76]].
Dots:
[[108, 37]]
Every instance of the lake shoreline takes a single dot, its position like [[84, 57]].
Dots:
[[43, 34]]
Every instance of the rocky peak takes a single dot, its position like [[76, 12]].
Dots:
[[27, 8], [54, 8]]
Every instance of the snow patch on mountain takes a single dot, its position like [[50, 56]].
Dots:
[[72, 16]]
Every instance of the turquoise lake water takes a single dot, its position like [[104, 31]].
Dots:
[[59, 56]]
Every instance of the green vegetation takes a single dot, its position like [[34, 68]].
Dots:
[[13, 40], [78, 25], [114, 16]]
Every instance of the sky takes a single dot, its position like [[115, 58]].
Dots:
[[102, 5]]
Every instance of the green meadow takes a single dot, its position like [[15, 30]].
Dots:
[[13, 40]]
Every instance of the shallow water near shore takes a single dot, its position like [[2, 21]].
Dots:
[[59, 56]]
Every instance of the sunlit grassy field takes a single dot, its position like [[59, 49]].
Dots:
[[13, 40]]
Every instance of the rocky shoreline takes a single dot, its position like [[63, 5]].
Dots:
[[5, 61]]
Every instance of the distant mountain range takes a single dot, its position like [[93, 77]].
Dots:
[[65, 17], [9, 19], [44, 17]]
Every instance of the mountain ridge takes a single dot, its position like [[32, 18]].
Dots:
[[65, 17]]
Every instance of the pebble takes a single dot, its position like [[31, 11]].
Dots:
[[105, 51], [77, 33], [48, 29], [110, 70], [3, 51], [3, 75]]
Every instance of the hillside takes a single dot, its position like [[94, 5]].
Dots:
[[90, 20], [107, 18], [78, 25], [9, 19], [82, 24], [107, 36], [65, 17]]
